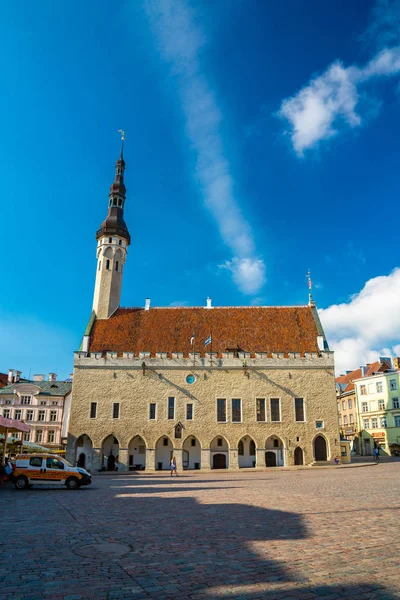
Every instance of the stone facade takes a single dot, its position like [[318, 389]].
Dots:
[[134, 385]]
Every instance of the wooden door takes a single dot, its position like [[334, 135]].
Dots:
[[219, 461], [320, 452], [298, 456], [270, 459]]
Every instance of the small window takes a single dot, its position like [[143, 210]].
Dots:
[[397, 421], [54, 463], [299, 409], [35, 461], [363, 390], [93, 410], [50, 436], [260, 409], [41, 415], [379, 387], [364, 406], [366, 423], [43, 403], [178, 432], [350, 404], [116, 265], [374, 423], [381, 405], [53, 416], [395, 402], [25, 399], [152, 411], [29, 415], [236, 410], [241, 448], [108, 264], [171, 408], [297, 439], [110, 240], [319, 424], [383, 422], [193, 442], [119, 202], [114, 202], [17, 414], [54, 402], [351, 419], [116, 410], [189, 412], [345, 420], [344, 405], [276, 443], [119, 242], [221, 410], [165, 441], [6, 413], [392, 384], [219, 442], [275, 409]]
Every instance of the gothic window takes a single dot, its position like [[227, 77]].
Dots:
[[116, 266], [178, 432], [241, 448], [107, 264], [219, 442]]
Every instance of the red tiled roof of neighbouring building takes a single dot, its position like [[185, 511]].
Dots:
[[3, 379], [247, 329], [375, 367]]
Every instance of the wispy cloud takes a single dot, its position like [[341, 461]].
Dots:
[[180, 41], [366, 327], [330, 101]]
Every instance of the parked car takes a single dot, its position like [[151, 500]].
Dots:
[[48, 469]]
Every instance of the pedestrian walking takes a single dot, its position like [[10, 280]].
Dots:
[[173, 466], [376, 453]]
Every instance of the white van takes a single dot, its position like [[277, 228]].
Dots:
[[48, 469]]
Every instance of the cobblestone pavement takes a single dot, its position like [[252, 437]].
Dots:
[[275, 535]]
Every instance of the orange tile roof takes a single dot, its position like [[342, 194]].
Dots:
[[248, 329], [375, 367]]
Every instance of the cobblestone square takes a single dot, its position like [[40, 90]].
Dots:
[[277, 534]]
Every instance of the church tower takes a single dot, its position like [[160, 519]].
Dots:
[[113, 240]]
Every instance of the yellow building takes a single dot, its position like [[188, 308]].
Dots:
[[216, 387]]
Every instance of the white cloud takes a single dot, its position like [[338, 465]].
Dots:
[[248, 273], [366, 327], [320, 108], [180, 42]]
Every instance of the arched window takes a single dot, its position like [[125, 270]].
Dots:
[[241, 448], [178, 432], [110, 240], [116, 266], [107, 265], [252, 448], [119, 202], [114, 202]]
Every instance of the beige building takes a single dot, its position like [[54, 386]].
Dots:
[[43, 404], [217, 387]]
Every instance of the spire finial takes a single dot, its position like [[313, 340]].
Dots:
[[122, 132], [310, 298]]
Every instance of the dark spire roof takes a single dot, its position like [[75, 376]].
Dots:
[[114, 224]]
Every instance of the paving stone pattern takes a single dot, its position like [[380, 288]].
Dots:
[[275, 535]]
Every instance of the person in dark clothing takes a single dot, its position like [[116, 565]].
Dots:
[[111, 462]]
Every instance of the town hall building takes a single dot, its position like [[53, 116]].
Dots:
[[260, 393]]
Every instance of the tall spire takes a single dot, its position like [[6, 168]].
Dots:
[[114, 224]]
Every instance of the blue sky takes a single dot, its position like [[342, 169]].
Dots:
[[262, 140]]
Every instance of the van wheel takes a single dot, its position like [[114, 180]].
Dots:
[[72, 483], [21, 483]]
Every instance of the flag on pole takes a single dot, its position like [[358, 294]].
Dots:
[[208, 340], [192, 339]]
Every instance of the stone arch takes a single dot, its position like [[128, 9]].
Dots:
[[163, 452], [137, 453], [298, 456], [191, 453], [110, 453], [219, 452], [108, 252], [84, 451], [320, 447], [274, 452], [247, 452]]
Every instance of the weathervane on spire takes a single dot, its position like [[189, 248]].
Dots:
[[310, 299], [122, 132]]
